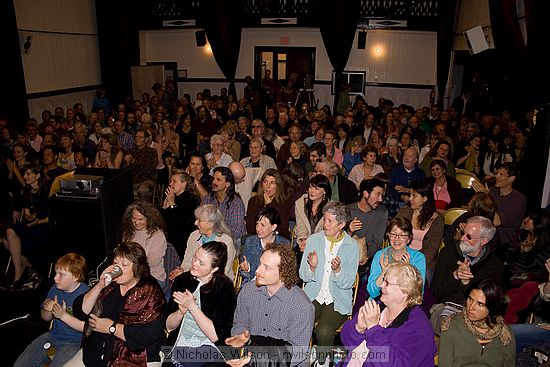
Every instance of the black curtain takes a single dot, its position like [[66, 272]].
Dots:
[[118, 40], [222, 22], [537, 78], [538, 36], [510, 53], [338, 24], [445, 33], [13, 94]]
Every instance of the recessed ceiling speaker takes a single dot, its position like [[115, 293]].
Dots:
[[200, 36], [362, 40]]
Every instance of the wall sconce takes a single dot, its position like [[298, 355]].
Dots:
[[378, 51]]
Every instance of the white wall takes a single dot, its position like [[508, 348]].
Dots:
[[64, 51], [37, 105], [406, 57]]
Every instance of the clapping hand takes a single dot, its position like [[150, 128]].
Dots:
[[312, 260], [59, 310], [368, 316], [335, 264], [244, 265], [185, 299], [406, 258], [48, 304], [463, 271], [237, 341]]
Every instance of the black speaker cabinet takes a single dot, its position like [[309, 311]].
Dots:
[[91, 227], [200, 37], [361, 40]]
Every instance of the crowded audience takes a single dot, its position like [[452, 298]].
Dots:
[[368, 215]]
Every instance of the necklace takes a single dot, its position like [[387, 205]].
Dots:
[[438, 189]]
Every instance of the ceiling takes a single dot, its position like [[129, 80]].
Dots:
[[402, 14]]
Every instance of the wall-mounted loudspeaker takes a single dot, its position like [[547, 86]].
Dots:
[[200, 36], [362, 40], [475, 38]]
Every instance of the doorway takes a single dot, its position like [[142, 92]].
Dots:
[[285, 63]]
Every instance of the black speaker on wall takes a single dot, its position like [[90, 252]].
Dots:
[[200, 36], [362, 40]]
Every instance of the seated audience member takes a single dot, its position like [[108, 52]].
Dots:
[[527, 262], [271, 193], [142, 161], [294, 177], [267, 223], [400, 179], [368, 217], [197, 168], [126, 316], [178, 210], [109, 153], [328, 270], [534, 335], [81, 141], [200, 311], [290, 313], [354, 156], [368, 169], [17, 167], [245, 179], [65, 332], [309, 211], [441, 151], [217, 157], [511, 206], [142, 223], [400, 330], [391, 157], [478, 335], [333, 153], [50, 156], [346, 192], [28, 239], [210, 227], [399, 233], [316, 152], [428, 225], [81, 159], [463, 263], [257, 158], [467, 157], [224, 197], [65, 158], [230, 145], [447, 192], [481, 204], [297, 153]]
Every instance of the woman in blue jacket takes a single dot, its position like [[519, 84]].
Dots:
[[267, 222], [328, 269], [399, 233]]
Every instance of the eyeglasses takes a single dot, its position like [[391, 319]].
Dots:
[[394, 236], [469, 237], [256, 126], [385, 281]]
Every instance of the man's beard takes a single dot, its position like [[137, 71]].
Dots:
[[466, 248]]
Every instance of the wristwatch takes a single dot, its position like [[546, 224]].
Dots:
[[112, 329]]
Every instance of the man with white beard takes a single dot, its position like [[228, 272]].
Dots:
[[464, 263]]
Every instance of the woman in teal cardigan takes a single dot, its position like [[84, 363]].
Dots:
[[328, 269], [399, 233]]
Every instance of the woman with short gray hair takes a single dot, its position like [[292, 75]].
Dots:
[[328, 269]]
